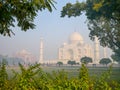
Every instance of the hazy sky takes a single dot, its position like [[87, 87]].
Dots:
[[54, 30]]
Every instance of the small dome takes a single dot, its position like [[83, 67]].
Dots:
[[75, 37], [24, 52]]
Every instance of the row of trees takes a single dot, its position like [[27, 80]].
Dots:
[[86, 60]]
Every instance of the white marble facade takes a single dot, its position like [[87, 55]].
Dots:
[[75, 49]]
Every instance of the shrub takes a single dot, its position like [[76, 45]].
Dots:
[[33, 78]]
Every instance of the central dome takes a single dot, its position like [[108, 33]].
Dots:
[[75, 37]]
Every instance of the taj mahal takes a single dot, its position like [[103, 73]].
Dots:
[[74, 49]]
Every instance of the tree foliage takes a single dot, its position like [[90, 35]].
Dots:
[[85, 78], [103, 19], [71, 62], [3, 75], [21, 11], [60, 63], [86, 60], [116, 56], [105, 61], [73, 9]]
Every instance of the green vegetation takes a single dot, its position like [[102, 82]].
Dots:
[[21, 11], [105, 61], [71, 62], [34, 78], [116, 56], [93, 71], [86, 60], [59, 63]]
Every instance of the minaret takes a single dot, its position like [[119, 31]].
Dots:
[[96, 51], [41, 51], [104, 52]]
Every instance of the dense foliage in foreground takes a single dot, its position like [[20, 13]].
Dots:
[[33, 78]]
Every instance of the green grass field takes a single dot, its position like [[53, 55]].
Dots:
[[73, 71]]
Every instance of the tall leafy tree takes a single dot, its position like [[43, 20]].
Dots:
[[86, 60], [103, 19], [105, 61], [21, 11]]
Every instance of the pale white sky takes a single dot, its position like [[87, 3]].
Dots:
[[54, 30]]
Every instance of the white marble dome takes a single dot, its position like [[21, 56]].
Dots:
[[75, 37]]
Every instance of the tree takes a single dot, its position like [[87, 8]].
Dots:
[[60, 63], [21, 11], [71, 62], [116, 56], [103, 19], [86, 60], [105, 61]]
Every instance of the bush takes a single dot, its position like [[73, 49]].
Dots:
[[33, 78]]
